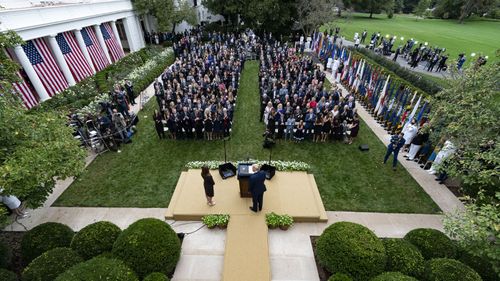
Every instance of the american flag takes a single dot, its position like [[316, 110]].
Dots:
[[45, 66], [28, 95], [95, 50], [114, 48], [73, 56]]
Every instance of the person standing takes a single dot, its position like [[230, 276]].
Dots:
[[208, 185], [129, 87], [397, 141], [257, 188], [158, 119], [14, 204], [363, 36]]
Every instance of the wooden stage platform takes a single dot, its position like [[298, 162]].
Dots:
[[246, 256]]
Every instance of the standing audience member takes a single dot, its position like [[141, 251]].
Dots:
[[397, 142]]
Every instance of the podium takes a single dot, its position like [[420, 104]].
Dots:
[[244, 173]]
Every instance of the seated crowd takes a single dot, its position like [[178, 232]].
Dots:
[[197, 94], [295, 105]]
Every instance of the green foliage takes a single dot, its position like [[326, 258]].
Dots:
[[8, 71], [50, 264], [476, 229], [44, 237], [373, 6], [214, 220], [314, 13], [156, 276], [443, 269], [5, 255], [352, 249], [403, 257], [272, 220], [422, 7], [95, 239], [480, 264], [467, 113], [393, 276], [6, 275], [148, 245], [98, 269], [340, 277], [432, 243], [166, 12], [462, 9]]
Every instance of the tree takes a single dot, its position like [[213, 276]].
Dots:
[[421, 8], [167, 14], [373, 6], [229, 9], [184, 12], [463, 9], [477, 229], [311, 14], [467, 114], [37, 147]]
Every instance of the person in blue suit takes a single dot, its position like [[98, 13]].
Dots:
[[257, 188], [397, 141]]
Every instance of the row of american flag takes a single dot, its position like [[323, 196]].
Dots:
[[43, 61]]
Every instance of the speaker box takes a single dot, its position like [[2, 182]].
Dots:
[[364, 147], [270, 171], [227, 170]]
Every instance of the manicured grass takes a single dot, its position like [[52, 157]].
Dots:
[[474, 36], [146, 172]]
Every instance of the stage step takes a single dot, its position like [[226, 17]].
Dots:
[[247, 251], [319, 202]]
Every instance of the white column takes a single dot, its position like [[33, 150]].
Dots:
[[131, 32], [61, 62], [146, 23], [115, 31], [100, 38], [140, 38], [30, 71], [83, 48]]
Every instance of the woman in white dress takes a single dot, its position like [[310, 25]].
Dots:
[[409, 133], [267, 111]]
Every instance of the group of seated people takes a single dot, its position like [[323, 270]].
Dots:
[[197, 94], [295, 105]]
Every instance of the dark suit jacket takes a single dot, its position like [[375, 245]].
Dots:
[[256, 183]]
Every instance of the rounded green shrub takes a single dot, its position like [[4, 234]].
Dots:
[[156, 276], [5, 255], [95, 239], [403, 257], [393, 276], [350, 248], [432, 243], [340, 277], [98, 269], [480, 264], [50, 264], [443, 269], [6, 275], [148, 245], [45, 237]]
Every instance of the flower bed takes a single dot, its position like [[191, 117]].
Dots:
[[280, 165]]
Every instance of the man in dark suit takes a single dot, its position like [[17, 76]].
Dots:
[[257, 188], [397, 142]]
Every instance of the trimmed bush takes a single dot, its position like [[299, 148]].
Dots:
[[98, 269], [393, 276], [50, 264], [44, 237], [6, 275], [95, 239], [432, 243], [403, 257], [148, 245], [442, 269], [480, 264], [340, 277], [5, 255], [350, 248], [156, 276]]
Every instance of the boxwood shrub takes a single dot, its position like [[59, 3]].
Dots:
[[98, 269], [443, 269], [480, 264], [340, 277], [403, 257], [44, 237], [350, 248], [50, 264], [156, 276], [6, 275], [432, 243], [95, 239], [148, 245], [5, 255], [393, 276]]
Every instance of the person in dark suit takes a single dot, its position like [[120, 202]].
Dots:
[[397, 142], [208, 184], [257, 188]]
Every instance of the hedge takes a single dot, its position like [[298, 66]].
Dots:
[[156, 276], [5, 255], [95, 239], [393, 276], [350, 248], [98, 269], [404, 257], [481, 265], [50, 264], [443, 269], [432, 243], [45, 237], [340, 277], [6, 275], [148, 245]]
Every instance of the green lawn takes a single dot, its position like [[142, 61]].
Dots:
[[147, 170], [474, 36]]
